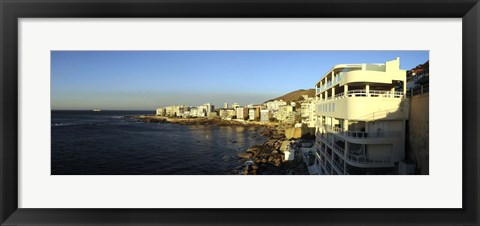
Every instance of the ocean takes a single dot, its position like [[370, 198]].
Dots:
[[107, 143]]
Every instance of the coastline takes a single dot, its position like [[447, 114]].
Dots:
[[201, 121], [267, 158]]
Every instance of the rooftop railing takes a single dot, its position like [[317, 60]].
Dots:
[[364, 93]]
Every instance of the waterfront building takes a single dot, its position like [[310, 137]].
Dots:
[[275, 105], [161, 111], [253, 113], [193, 112], [307, 111], [176, 110], [212, 114], [198, 112], [225, 113], [242, 113], [361, 112], [285, 113], [209, 107], [265, 115]]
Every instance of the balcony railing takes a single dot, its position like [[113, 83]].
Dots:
[[329, 155], [338, 167], [339, 149], [328, 169], [321, 150], [361, 134], [362, 158]]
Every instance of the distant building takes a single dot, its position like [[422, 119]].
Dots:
[[176, 110], [225, 105], [198, 112], [161, 111], [235, 105], [253, 113], [307, 111], [265, 115], [212, 114], [227, 113], [242, 113], [209, 107], [275, 105], [285, 113]]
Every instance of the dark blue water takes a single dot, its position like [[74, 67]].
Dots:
[[106, 143]]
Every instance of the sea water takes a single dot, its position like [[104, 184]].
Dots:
[[107, 143]]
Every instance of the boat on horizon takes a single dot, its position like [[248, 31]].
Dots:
[[97, 110]]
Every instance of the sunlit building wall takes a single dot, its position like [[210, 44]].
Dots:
[[361, 112]]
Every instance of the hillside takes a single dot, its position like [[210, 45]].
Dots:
[[295, 95]]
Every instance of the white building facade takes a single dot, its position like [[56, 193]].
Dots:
[[361, 112]]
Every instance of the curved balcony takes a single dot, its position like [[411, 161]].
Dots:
[[338, 167], [359, 160], [340, 150], [361, 134], [362, 160]]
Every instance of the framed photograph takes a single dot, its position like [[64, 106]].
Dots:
[[226, 112]]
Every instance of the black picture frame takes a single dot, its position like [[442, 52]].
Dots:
[[12, 10]]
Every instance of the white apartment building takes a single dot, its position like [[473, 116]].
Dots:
[[242, 113], [307, 111], [161, 111], [209, 107], [275, 105], [253, 113], [361, 112], [284, 113], [265, 115], [176, 110]]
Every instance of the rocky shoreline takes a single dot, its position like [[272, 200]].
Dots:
[[269, 158], [263, 159], [199, 121]]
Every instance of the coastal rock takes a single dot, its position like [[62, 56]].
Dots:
[[277, 136], [278, 144], [293, 133], [284, 145], [266, 133], [270, 143], [244, 155]]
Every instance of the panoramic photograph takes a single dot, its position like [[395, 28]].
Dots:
[[231, 112]]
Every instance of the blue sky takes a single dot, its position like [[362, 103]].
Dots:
[[145, 80]]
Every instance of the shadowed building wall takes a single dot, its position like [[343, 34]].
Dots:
[[418, 139]]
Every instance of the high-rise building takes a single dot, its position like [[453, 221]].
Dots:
[[361, 112]]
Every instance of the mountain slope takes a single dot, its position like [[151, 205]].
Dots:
[[295, 95]]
